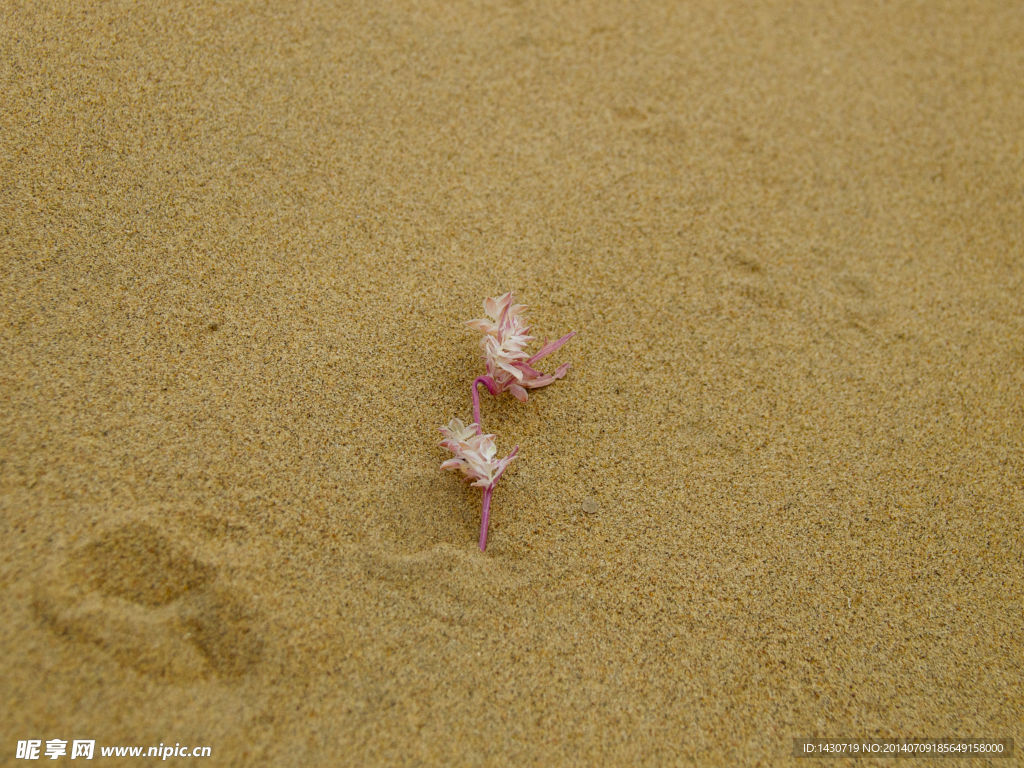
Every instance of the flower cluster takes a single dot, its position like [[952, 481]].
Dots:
[[509, 368], [474, 454]]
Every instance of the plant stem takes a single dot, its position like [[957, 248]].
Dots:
[[486, 381], [485, 517]]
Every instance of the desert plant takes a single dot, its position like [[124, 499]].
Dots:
[[509, 368]]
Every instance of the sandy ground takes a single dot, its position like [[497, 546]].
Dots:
[[239, 242]]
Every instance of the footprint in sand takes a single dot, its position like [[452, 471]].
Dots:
[[151, 605]]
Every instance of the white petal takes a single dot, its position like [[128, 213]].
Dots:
[[491, 308]]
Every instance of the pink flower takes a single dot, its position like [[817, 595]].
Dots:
[[509, 366], [474, 454]]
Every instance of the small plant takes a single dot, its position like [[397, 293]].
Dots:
[[509, 368]]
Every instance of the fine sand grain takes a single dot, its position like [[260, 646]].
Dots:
[[779, 493]]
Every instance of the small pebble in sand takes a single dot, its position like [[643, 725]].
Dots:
[[590, 505]]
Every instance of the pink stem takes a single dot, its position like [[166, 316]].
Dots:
[[485, 517], [486, 381]]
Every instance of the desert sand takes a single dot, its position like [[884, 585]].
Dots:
[[778, 495]]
